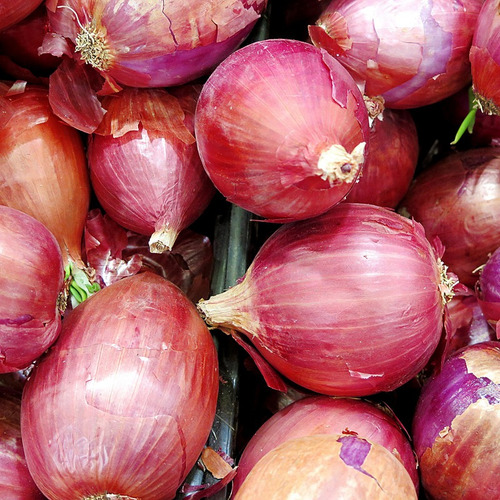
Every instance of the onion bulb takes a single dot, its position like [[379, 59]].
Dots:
[[13, 11], [488, 289]]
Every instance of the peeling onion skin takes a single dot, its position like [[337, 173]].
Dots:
[[124, 401], [412, 53], [456, 426], [31, 279], [323, 467], [326, 415], [359, 286], [458, 200], [13, 11], [265, 122]]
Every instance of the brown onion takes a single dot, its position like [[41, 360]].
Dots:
[[123, 403]]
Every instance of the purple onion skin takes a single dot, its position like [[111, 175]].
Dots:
[[489, 280], [456, 426]]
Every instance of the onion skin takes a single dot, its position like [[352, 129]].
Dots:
[[458, 200], [265, 129], [345, 284], [124, 401], [328, 466], [144, 164], [31, 279], [488, 289], [389, 170], [43, 170], [325, 415], [13, 11], [456, 426], [485, 58], [412, 53]]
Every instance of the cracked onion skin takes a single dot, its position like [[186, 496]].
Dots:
[[456, 426], [124, 402], [348, 303]]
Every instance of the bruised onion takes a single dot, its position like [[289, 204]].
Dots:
[[144, 164], [123, 403], [13, 11], [31, 284], [282, 129], [328, 466], [458, 200], [349, 303], [326, 415], [456, 426], [412, 53], [488, 289]]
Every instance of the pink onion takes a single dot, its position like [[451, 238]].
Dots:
[[389, 170], [325, 415], [31, 282], [16, 482], [144, 164], [123, 403], [349, 303], [411, 52], [485, 58], [456, 427], [282, 129], [488, 289], [328, 466], [458, 200], [13, 11]]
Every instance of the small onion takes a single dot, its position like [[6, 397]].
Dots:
[[123, 403], [349, 303], [281, 129], [144, 164], [326, 415], [411, 52], [13, 11], [458, 200], [488, 289], [456, 427], [389, 170], [31, 281], [328, 466]]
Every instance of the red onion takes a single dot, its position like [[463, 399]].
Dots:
[[485, 58], [328, 466], [412, 53], [123, 403], [281, 129], [488, 289], [16, 482], [456, 426], [326, 300], [458, 200], [389, 170], [325, 415], [144, 164], [13, 11], [30, 284]]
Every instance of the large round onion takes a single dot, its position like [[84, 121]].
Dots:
[[488, 289], [347, 303], [281, 129], [456, 427], [123, 403], [485, 58], [326, 415], [13, 11], [458, 200], [410, 52], [328, 466], [144, 164], [31, 281]]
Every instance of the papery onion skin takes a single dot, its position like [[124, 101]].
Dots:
[[156, 44], [346, 304], [328, 466], [13, 11], [389, 170], [124, 401], [144, 164], [456, 426], [485, 58], [325, 415], [31, 281], [458, 200], [16, 482], [488, 288], [43, 170], [266, 130], [412, 53]]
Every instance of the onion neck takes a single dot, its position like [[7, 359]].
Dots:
[[337, 166], [162, 240], [485, 105], [447, 283], [93, 48]]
